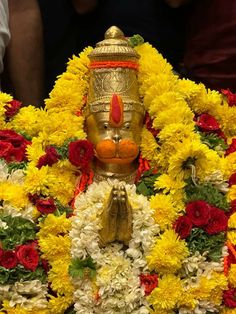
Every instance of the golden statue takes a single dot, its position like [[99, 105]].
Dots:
[[114, 119]]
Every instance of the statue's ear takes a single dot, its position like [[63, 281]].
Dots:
[[116, 116]]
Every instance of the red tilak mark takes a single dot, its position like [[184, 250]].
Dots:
[[116, 111]]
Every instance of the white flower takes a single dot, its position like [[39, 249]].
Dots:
[[3, 225]]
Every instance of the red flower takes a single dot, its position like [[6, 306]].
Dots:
[[183, 226], [50, 158], [231, 97], [232, 208], [5, 149], [148, 282], [229, 297], [217, 222], [232, 179], [148, 122], [12, 108], [18, 145], [45, 265], [28, 256], [80, 153], [207, 123], [9, 259], [46, 206], [198, 212], [232, 147], [1, 254]]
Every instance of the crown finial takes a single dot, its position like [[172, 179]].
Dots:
[[114, 32]]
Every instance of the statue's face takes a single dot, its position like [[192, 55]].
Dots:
[[115, 145]]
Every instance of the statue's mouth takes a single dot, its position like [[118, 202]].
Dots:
[[107, 151]]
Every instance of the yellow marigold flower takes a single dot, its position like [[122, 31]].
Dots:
[[231, 235], [188, 89], [228, 165], [163, 102], [189, 154], [210, 288], [232, 193], [232, 275], [58, 305], [226, 116], [165, 211], [29, 120], [13, 194], [159, 85], [62, 183], [59, 130], [176, 132], [167, 295], [167, 254], [232, 221], [173, 115], [36, 149], [54, 225], [149, 146], [79, 65], [59, 277], [5, 98], [168, 185], [37, 180], [55, 247]]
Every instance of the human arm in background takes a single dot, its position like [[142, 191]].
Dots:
[[24, 55]]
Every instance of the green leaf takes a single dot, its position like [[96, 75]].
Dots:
[[206, 192], [12, 166], [63, 149], [200, 241], [145, 186], [213, 141], [61, 209], [81, 268], [4, 275], [19, 230], [136, 40]]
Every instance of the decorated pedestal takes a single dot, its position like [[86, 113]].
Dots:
[[120, 195]]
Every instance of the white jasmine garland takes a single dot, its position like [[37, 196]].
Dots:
[[116, 288]]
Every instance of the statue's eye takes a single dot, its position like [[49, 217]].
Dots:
[[105, 125], [127, 126]]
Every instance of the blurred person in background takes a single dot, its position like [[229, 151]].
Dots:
[[24, 76], [4, 32]]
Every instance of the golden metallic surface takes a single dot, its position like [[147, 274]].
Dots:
[[116, 218], [116, 147]]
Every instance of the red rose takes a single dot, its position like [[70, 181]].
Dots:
[[217, 222], [229, 297], [5, 149], [45, 265], [80, 153], [183, 226], [46, 206], [231, 97], [232, 179], [198, 212], [50, 158], [232, 147], [28, 256], [148, 282], [9, 259], [207, 123], [148, 122], [232, 208], [12, 108], [18, 142], [1, 254]]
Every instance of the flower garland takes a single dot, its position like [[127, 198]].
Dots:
[[117, 283], [189, 265]]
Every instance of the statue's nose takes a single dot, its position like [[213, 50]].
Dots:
[[116, 137]]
